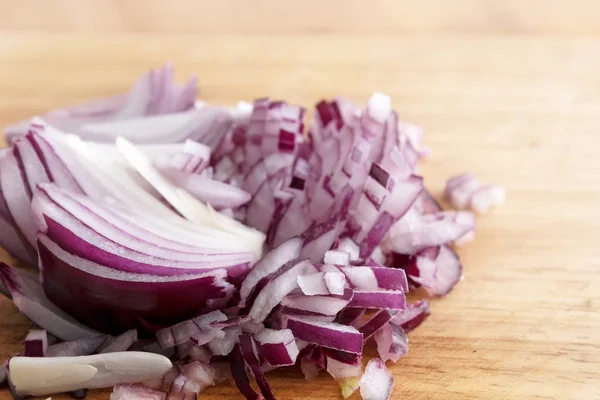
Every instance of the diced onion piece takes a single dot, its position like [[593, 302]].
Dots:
[[376, 383]]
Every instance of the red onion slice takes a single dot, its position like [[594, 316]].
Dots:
[[322, 283], [376, 278], [270, 263], [17, 196], [85, 289], [392, 342], [412, 316], [29, 298], [414, 233], [186, 330], [250, 355], [240, 376], [36, 344], [375, 323], [217, 194], [278, 347], [325, 305], [153, 93], [439, 275], [274, 291], [326, 334], [377, 383], [380, 299]]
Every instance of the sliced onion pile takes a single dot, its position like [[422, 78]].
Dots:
[[179, 244]]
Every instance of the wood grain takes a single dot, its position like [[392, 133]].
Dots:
[[353, 17], [520, 111]]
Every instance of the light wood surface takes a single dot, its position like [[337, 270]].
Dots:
[[521, 111]]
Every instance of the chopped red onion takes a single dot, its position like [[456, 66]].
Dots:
[[337, 257], [376, 383], [250, 354], [322, 283], [78, 347], [200, 372], [326, 334], [270, 263], [29, 298], [380, 299], [375, 323], [325, 305], [36, 344], [166, 237], [223, 346], [277, 347], [412, 316], [240, 376], [274, 291], [392, 342], [414, 233], [154, 93], [465, 190], [40, 376]]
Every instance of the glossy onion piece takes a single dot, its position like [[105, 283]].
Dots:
[[270, 263], [36, 344], [154, 93], [48, 375], [326, 334], [376, 383], [28, 296], [392, 342], [278, 347], [412, 316]]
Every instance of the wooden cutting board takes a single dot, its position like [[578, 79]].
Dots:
[[522, 112]]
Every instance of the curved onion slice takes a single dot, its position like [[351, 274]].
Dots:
[[240, 376], [270, 263], [326, 334], [392, 342], [30, 299], [375, 323], [414, 233], [322, 283], [36, 344], [40, 376], [217, 194], [278, 347], [162, 237], [249, 352], [380, 299], [153, 93], [412, 316], [325, 305], [274, 291]]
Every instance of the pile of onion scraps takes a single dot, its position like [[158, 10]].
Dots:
[[170, 244]]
